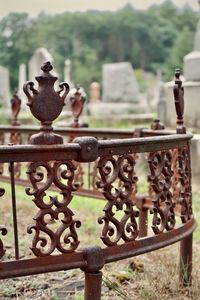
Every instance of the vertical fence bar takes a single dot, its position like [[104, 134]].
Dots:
[[14, 209], [93, 282], [89, 174], [186, 261], [143, 223]]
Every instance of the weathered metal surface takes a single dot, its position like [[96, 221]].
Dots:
[[119, 198], [93, 283], [54, 166], [15, 109], [185, 270], [15, 136], [14, 209], [77, 100], [51, 263], [3, 230], [64, 238], [160, 164], [157, 125], [179, 102], [149, 244], [46, 105]]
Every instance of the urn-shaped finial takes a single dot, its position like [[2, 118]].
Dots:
[[179, 102], [15, 108], [77, 100], [46, 104]]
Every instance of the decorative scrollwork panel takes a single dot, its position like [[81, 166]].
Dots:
[[64, 237], [160, 164], [118, 183], [185, 188]]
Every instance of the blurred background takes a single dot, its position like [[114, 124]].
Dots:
[[121, 52], [153, 35]]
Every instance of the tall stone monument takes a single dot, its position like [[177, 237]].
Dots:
[[119, 83], [120, 91], [22, 78], [67, 73], [40, 56], [192, 60], [4, 85]]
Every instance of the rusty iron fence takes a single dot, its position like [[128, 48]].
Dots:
[[51, 163]]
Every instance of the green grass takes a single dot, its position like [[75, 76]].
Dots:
[[87, 210], [196, 210], [117, 124]]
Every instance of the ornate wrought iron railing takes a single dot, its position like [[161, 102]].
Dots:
[[53, 164]]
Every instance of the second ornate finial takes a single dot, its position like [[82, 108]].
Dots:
[[179, 102], [77, 100]]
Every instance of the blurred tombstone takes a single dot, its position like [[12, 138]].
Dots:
[[119, 83], [40, 56], [120, 92], [157, 91], [95, 92], [21, 81], [191, 83], [161, 105], [67, 73], [4, 85], [192, 60]]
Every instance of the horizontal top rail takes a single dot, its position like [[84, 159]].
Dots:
[[144, 144], [103, 132], [88, 148]]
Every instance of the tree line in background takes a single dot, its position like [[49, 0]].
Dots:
[[153, 39]]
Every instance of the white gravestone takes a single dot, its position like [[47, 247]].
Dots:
[[4, 85], [119, 83], [21, 80], [40, 56]]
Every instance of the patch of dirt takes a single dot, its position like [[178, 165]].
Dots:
[[152, 276]]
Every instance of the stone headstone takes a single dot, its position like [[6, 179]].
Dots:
[[67, 73], [192, 60], [4, 85], [22, 78], [192, 66], [197, 38], [40, 56], [119, 83]]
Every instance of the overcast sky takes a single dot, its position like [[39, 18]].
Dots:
[[33, 7]]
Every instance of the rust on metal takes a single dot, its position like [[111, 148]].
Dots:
[[46, 105], [15, 109], [112, 170], [179, 102], [157, 125], [55, 174], [160, 165], [64, 238], [15, 136], [3, 230], [77, 100]]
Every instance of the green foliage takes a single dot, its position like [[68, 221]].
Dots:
[[156, 38], [182, 46]]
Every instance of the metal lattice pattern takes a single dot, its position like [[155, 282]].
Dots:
[[117, 182], [64, 238]]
